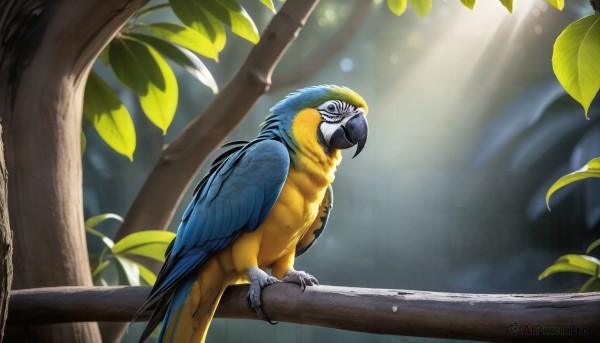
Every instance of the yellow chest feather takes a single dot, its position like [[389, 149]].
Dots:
[[297, 207]]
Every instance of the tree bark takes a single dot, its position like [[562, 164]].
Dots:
[[6, 268], [487, 317], [180, 160], [46, 52]]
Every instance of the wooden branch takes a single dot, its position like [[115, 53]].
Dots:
[[380, 311], [324, 52], [156, 202]]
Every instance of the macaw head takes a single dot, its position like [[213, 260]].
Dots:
[[336, 114]]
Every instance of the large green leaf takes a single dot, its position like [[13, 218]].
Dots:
[[573, 263], [150, 243], [558, 4], [592, 169], [232, 14], [422, 7], [109, 116], [508, 4], [128, 271], [142, 69], [593, 246], [95, 220], [185, 37], [192, 14], [185, 59], [398, 7], [575, 59], [468, 3]]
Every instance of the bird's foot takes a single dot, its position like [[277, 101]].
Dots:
[[259, 280], [301, 278]]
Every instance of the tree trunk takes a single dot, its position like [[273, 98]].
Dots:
[[47, 50], [6, 269]]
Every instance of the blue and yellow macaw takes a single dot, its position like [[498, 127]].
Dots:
[[261, 204]]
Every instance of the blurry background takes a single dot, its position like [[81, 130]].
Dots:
[[467, 128]]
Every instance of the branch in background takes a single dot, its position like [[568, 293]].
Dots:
[[324, 52], [381, 311], [156, 202]]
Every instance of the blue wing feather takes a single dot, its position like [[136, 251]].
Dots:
[[235, 196]]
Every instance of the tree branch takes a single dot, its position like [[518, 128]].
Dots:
[[379, 311], [156, 202], [324, 52]]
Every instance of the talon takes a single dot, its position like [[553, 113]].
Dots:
[[259, 280], [301, 278]]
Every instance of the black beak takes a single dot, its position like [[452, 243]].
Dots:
[[354, 132]]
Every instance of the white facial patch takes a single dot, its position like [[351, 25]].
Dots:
[[335, 113]]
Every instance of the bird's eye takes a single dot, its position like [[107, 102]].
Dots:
[[331, 108]]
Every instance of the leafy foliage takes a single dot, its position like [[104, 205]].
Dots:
[[592, 169], [423, 7], [574, 58], [582, 264], [109, 116], [137, 57], [142, 69], [151, 244]]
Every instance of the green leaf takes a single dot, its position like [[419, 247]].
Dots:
[[192, 14], [151, 9], [146, 274], [468, 3], [99, 268], [83, 143], [232, 14], [398, 7], [592, 169], [92, 222], [558, 4], [185, 59], [508, 4], [591, 285], [593, 246], [149, 243], [129, 273], [185, 37], [109, 116], [575, 59], [269, 4], [141, 68], [573, 263], [422, 7]]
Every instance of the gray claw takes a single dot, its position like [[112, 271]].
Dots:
[[301, 278], [259, 280]]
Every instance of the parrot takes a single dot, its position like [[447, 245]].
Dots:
[[262, 203]]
